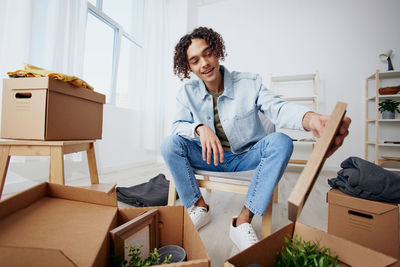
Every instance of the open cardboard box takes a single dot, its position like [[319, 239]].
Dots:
[[370, 223], [57, 225], [43, 108], [264, 252]]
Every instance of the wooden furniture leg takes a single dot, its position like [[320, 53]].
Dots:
[[91, 157], [56, 165], [267, 221], [207, 178], [4, 161], [275, 194], [171, 193]]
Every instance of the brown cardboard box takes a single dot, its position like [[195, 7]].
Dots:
[[349, 253], [370, 223], [264, 252], [176, 228], [57, 225], [43, 108]]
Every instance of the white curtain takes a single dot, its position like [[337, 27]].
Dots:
[[154, 85], [46, 33]]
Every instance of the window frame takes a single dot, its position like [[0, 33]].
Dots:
[[119, 33]]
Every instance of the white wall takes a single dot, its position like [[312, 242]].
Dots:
[[341, 39]]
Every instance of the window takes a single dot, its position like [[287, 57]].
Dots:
[[114, 35]]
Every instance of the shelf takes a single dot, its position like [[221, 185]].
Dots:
[[300, 98], [383, 120], [386, 75], [382, 144], [389, 120], [294, 78], [383, 97]]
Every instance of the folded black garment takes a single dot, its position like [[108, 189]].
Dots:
[[152, 193], [361, 178]]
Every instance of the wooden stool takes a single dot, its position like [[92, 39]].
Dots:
[[55, 149]]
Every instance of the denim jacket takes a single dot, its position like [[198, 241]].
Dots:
[[244, 95]]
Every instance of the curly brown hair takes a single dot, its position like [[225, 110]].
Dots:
[[213, 39]]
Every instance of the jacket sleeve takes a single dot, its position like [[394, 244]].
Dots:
[[282, 113], [184, 124]]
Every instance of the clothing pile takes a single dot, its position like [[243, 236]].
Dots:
[[33, 71], [361, 178], [152, 193]]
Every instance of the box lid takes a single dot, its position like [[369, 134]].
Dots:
[[314, 165], [337, 197], [34, 83]]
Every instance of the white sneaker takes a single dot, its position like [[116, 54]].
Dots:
[[243, 236], [200, 216]]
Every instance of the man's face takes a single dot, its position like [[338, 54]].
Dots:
[[202, 61]]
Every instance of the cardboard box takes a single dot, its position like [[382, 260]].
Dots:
[[370, 223], [43, 108], [57, 225], [349, 253], [264, 252]]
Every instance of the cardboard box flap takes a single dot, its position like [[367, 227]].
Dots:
[[192, 241], [36, 83], [337, 197], [23, 256], [82, 194], [314, 165], [264, 251], [22, 199], [350, 253]]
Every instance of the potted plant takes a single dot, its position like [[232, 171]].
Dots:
[[388, 107]]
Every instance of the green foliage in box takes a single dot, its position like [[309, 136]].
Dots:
[[136, 261], [300, 253]]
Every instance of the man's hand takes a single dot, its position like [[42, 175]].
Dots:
[[210, 144], [316, 123]]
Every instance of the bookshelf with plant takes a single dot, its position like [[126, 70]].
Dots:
[[382, 131]]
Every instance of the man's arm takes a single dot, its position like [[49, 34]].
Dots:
[[316, 123]]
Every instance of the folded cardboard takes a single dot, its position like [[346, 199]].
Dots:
[[370, 223], [43, 108], [264, 252], [57, 225]]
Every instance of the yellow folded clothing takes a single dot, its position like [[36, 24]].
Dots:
[[33, 71]]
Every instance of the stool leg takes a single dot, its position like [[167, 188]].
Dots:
[[171, 193], [275, 195], [91, 157], [56, 165], [267, 222], [207, 178], [4, 161]]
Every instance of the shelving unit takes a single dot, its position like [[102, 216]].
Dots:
[[377, 130], [304, 89]]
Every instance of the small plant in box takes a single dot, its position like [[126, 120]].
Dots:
[[388, 107], [300, 253]]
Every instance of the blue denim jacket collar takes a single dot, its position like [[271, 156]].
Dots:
[[228, 84]]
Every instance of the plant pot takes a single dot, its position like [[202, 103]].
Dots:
[[387, 115], [177, 252]]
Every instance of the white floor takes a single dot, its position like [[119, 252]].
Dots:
[[223, 205]]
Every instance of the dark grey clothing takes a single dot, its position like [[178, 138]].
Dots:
[[151, 193], [361, 178]]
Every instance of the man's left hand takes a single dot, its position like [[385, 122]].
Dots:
[[316, 123]]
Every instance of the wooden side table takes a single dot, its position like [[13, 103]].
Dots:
[[55, 149]]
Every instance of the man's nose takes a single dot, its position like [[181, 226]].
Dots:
[[203, 62]]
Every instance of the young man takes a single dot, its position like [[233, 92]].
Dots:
[[217, 128]]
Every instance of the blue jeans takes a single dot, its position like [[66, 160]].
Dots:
[[269, 157]]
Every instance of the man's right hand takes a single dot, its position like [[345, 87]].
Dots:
[[210, 144]]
